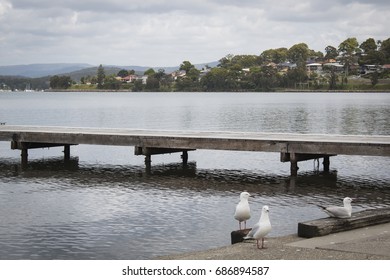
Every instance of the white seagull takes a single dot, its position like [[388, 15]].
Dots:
[[243, 211], [262, 228], [338, 211]]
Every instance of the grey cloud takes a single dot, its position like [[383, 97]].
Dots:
[[162, 32]]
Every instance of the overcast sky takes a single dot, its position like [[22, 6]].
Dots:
[[168, 32]]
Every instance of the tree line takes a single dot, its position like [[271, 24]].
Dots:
[[264, 72]]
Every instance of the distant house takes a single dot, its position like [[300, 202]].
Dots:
[[285, 66], [178, 74], [144, 79], [369, 68], [272, 64], [330, 60], [314, 67], [386, 67], [335, 65], [127, 79]]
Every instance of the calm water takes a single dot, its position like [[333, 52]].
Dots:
[[105, 204]]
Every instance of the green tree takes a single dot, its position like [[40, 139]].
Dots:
[[111, 82], [152, 84], [264, 78], [374, 78], [372, 57], [245, 61], [187, 84], [295, 76], [60, 82], [316, 54], [333, 79], [368, 45], [138, 86], [219, 79], [298, 54], [348, 49], [186, 66], [349, 46], [226, 61], [193, 74], [100, 76], [274, 55], [150, 72], [331, 52], [385, 50], [160, 74], [123, 73]]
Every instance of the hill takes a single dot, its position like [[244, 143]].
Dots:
[[78, 70], [41, 70]]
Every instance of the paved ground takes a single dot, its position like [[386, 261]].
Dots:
[[371, 243]]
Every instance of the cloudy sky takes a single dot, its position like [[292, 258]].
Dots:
[[167, 32]]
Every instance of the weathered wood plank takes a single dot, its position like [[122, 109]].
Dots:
[[327, 226], [240, 141]]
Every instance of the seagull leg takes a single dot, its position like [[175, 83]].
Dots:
[[262, 243], [244, 224]]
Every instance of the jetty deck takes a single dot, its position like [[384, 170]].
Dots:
[[292, 147]]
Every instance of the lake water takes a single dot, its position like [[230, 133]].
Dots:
[[104, 203]]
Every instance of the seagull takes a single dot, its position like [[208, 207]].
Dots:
[[243, 212], [338, 211], [261, 229]]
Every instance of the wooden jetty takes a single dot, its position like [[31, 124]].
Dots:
[[292, 147]]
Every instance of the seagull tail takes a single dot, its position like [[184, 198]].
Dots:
[[322, 207], [249, 235]]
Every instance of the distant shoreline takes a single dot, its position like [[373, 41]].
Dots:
[[284, 90]]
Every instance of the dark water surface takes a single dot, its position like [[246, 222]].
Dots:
[[104, 203]]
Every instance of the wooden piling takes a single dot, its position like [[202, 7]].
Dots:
[[67, 152], [238, 235], [24, 156], [326, 163], [294, 165], [184, 156]]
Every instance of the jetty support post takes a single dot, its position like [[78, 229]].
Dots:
[[294, 158], [184, 157], [66, 152], [25, 146], [293, 164], [24, 157], [149, 151], [326, 163]]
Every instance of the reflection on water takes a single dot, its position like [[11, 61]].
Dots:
[[104, 203], [58, 210]]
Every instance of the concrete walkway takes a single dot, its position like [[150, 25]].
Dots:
[[371, 243]]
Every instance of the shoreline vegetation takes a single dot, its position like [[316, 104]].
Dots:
[[276, 90], [350, 67]]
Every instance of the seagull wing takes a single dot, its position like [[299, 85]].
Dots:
[[337, 212], [252, 232]]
